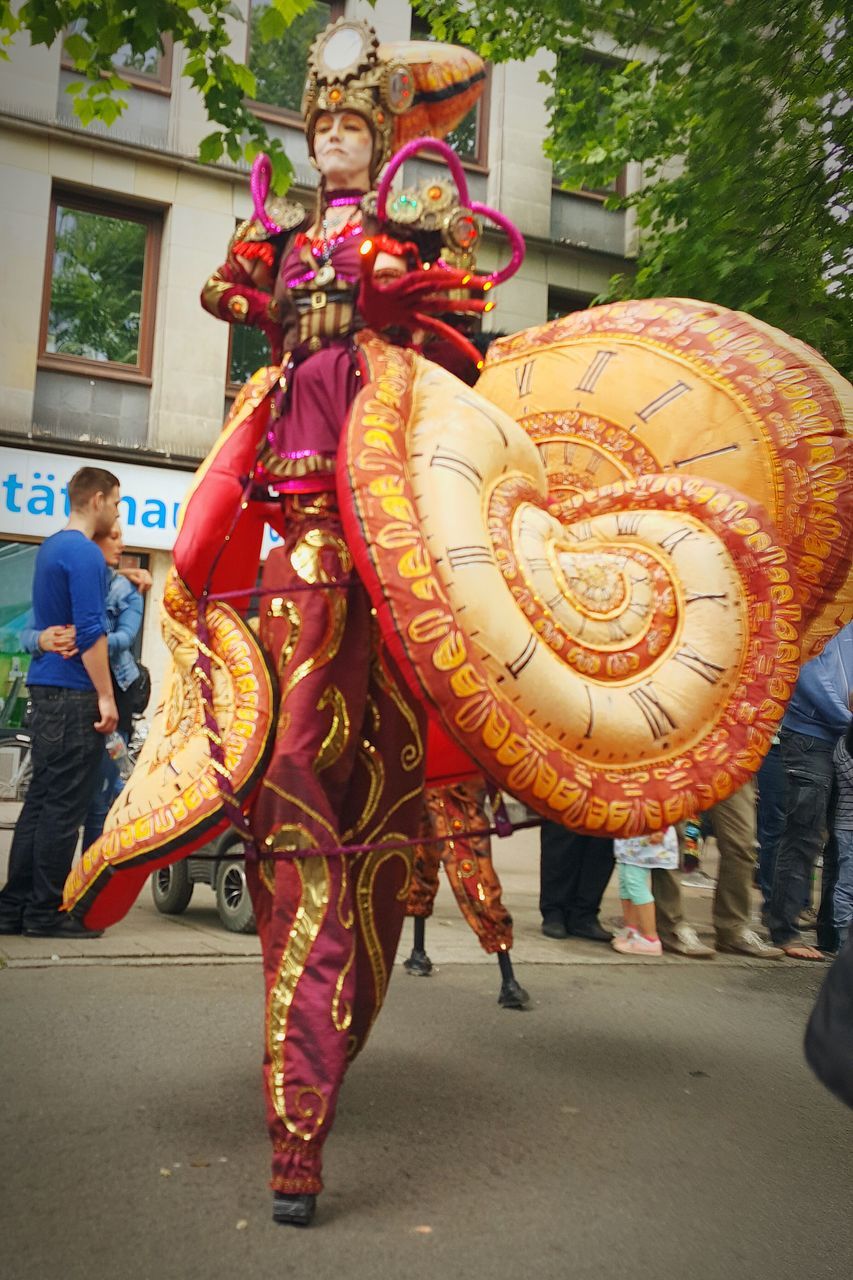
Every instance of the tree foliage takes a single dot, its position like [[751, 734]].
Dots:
[[103, 29], [96, 286], [740, 113]]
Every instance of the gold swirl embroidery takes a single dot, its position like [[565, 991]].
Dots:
[[413, 752], [310, 1104], [336, 608], [335, 741], [266, 872], [271, 841], [364, 902], [348, 919], [306, 556], [343, 1022], [373, 764]]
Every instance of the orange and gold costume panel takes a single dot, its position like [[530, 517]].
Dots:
[[450, 814]]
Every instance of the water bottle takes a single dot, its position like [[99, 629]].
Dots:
[[117, 750]]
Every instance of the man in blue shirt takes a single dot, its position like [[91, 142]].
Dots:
[[817, 716], [72, 708]]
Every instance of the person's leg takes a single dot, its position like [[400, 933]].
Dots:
[[770, 783], [636, 883], [66, 756], [669, 909], [102, 798], [596, 867], [469, 867], [559, 868], [809, 775], [733, 822], [827, 933], [842, 897], [304, 910]]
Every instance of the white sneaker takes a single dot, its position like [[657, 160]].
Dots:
[[685, 941], [634, 944], [697, 880]]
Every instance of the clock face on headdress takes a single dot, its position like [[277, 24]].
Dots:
[[344, 51]]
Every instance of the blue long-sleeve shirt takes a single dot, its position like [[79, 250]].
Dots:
[[69, 587], [124, 618], [820, 706]]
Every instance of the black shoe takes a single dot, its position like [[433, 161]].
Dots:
[[591, 932], [513, 995], [418, 965], [554, 927], [293, 1211], [10, 925], [65, 927]]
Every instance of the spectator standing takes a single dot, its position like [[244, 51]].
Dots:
[[817, 716], [574, 872], [124, 618], [73, 707], [733, 823], [842, 896], [635, 858]]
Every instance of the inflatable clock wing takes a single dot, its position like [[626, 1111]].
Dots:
[[617, 656]]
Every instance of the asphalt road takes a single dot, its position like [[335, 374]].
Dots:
[[641, 1121]]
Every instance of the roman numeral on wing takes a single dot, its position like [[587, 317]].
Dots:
[[658, 719], [628, 522], [459, 557], [693, 660], [672, 540], [518, 664], [457, 463], [667, 397], [524, 378], [594, 370]]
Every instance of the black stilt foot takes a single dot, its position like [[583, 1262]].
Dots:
[[418, 964], [293, 1211], [513, 995]]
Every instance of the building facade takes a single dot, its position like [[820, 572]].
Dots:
[[105, 354]]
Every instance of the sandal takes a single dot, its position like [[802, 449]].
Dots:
[[801, 951]]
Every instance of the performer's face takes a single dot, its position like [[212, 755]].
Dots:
[[343, 146]]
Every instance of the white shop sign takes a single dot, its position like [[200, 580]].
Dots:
[[34, 497]]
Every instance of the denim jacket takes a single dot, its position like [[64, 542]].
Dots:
[[124, 618]]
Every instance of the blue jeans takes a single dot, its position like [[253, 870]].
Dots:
[[771, 816], [809, 794], [66, 752], [842, 897], [107, 787]]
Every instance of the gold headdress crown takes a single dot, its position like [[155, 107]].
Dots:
[[402, 90]]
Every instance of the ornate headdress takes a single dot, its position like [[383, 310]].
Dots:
[[402, 90]]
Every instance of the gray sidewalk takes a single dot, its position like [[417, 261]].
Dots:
[[147, 937]]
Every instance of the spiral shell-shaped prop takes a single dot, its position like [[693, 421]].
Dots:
[[688, 388], [617, 659]]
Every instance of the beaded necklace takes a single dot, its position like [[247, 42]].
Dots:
[[323, 246]]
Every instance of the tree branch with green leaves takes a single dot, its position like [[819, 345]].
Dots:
[[99, 36], [740, 114]]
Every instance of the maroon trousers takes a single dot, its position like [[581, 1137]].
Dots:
[[347, 769]]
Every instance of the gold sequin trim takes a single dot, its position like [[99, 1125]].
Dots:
[[309, 1104]]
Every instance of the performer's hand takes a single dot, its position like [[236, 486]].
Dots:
[[61, 640], [140, 578], [405, 301], [108, 712]]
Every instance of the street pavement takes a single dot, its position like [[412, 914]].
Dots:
[[642, 1119]]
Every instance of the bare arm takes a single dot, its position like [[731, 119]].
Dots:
[[97, 664]]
